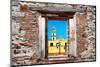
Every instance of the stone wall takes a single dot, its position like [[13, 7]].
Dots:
[[90, 36], [25, 34], [86, 32], [26, 43], [81, 34]]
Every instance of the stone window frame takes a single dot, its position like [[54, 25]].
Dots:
[[60, 16]]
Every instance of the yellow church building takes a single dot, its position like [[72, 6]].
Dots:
[[57, 46]]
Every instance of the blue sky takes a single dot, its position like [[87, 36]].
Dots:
[[61, 28]]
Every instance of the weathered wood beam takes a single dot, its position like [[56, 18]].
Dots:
[[57, 14]]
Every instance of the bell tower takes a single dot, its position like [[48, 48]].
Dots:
[[53, 33]]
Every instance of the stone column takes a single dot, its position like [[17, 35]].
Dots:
[[81, 34]]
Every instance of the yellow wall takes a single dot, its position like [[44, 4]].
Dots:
[[53, 49]]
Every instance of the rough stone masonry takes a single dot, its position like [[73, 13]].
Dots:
[[25, 47]]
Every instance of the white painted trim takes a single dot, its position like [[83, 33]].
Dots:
[[42, 35], [72, 37]]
